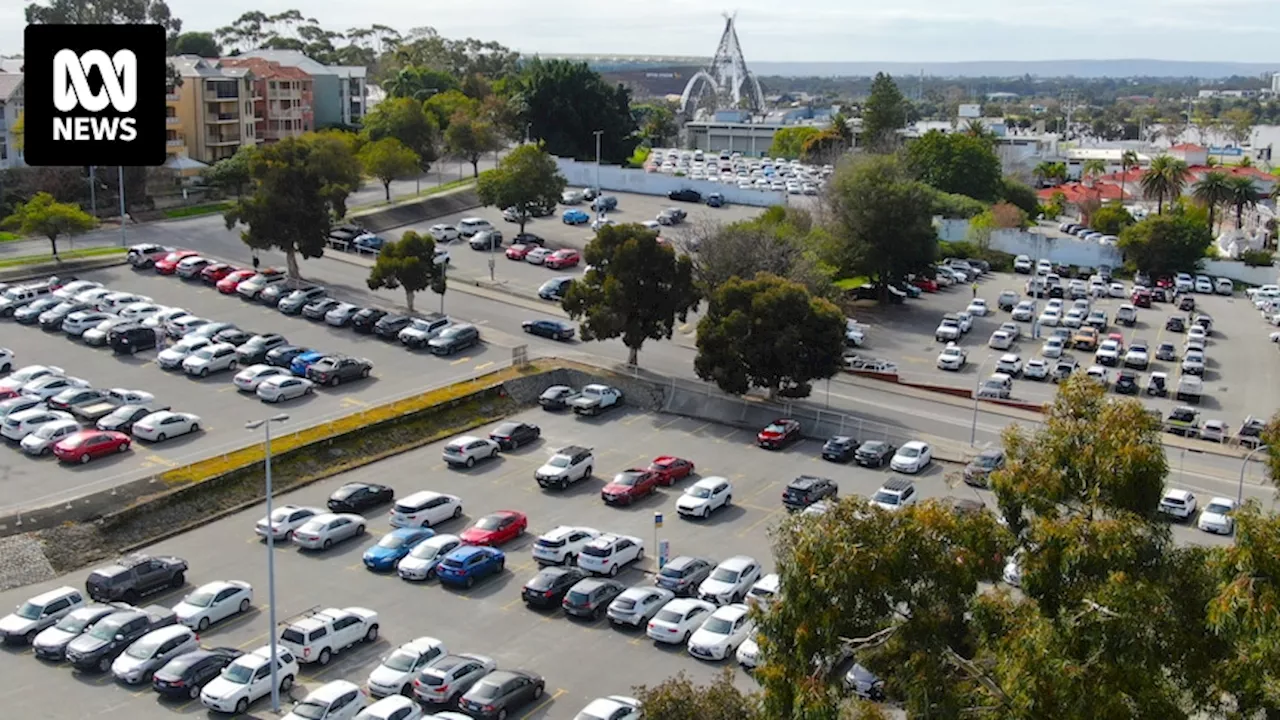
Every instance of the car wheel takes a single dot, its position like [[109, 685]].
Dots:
[[204, 372], [325, 656], [104, 664], [728, 500], [335, 382], [471, 462], [372, 634], [502, 714], [84, 458], [195, 427], [502, 565], [537, 691], [131, 597], [470, 583], [640, 555], [613, 571], [327, 544], [161, 437], [123, 447], [493, 453], [203, 624], [194, 692], [684, 639], [244, 606], [242, 706], [286, 684], [365, 372], [457, 512], [407, 690], [232, 366]]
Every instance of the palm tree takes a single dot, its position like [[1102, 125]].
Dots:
[[1043, 171], [1164, 180], [1092, 169], [1243, 194], [1128, 159], [1213, 190]]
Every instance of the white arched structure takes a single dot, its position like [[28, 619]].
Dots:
[[692, 91], [727, 75]]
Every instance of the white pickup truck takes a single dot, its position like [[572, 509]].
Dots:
[[595, 399], [317, 635]]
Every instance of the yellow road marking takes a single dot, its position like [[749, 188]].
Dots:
[[558, 693], [352, 402], [512, 604], [757, 523], [482, 366], [461, 360]]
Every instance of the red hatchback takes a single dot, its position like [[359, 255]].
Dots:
[[926, 284], [228, 284], [670, 469], [567, 257], [518, 251], [629, 486], [86, 445], [213, 274], [778, 433], [168, 264], [496, 528]]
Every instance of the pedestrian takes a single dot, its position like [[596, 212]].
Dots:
[[975, 290], [255, 261]]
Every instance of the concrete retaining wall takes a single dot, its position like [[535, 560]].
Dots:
[[68, 267], [619, 179], [1238, 271], [1054, 248], [420, 211]]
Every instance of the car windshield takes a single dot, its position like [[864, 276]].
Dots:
[[238, 674], [392, 541], [47, 431], [486, 691], [29, 611], [310, 710], [725, 575], [143, 649], [1218, 508], [775, 428], [204, 353], [578, 598], [559, 461], [719, 626], [885, 498], [425, 551], [988, 461], [912, 452], [627, 479], [698, 492], [200, 598], [490, 522], [72, 623], [106, 630], [401, 661], [669, 616]]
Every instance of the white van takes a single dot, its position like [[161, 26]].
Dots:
[[472, 225]]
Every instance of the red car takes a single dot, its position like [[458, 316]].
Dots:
[[1141, 298], [228, 284], [568, 257], [496, 528], [86, 445], [629, 486], [518, 251], [671, 469], [779, 433], [212, 274], [168, 264], [926, 284]]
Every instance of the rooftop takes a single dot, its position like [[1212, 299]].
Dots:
[[9, 82]]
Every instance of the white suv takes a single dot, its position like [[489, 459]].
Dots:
[[425, 509], [468, 449], [607, 554], [895, 494], [730, 581], [248, 678], [563, 544]]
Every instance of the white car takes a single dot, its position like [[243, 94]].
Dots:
[[637, 604], [78, 322], [284, 520], [165, 424], [162, 319], [1098, 374], [182, 325], [1024, 311], [283, 387], [425, 509], [678, 619], [1022, 264], [248, 678], [608, 554], [1196, 332], [395, 674], [322, 531], [1137, 357], [6, 359], [214, 602], [1203, 285], [1036, 369], [912, 457], [562, 545], [140, 661], [1050, 317], [1108, 353], [216, 357], [977, 308], [966, 321], [139, 310], [175, 355], [422, 560], [42, 440], [722, 633], [854, 333], [1184, 282], [1053, 347], [1179, 504], [469, 449], [1116, 290], [704, 497], [730, 581], [439, 256], [444, 233], [75, 287], [24, 375], [1074, 318], [952, 357], [1000, 340], [48, 386], [36, 621], [248, 379], [93, 295], [614, 707], [537, 256], [1193, 363], [116, 301], [394, 707], [21, 424], [1009, 364], [1216, 516]]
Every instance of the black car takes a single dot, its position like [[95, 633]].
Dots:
[[110, 636], [839, 448], [500, 693], [978, 472], [684, 574], [874, 453], [807, 490], [511, 435], [715, 200], [283, 356], [1175, 324], [318, 309], [30, 313], [557, 397], [1187, 304], [132, 577], [555, 288], [590, 597], [389, 326], [122, 418], [186, 675], [1126, 383], [554, 329], [358, 497], [233, 336], [337, 369], [685, 195], [51, 319], [547, 589], [528, 238], [454, 338], [365, 319], [254, 349], [346, 233]]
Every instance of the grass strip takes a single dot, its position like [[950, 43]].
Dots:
[[68, 255], [194, 210]]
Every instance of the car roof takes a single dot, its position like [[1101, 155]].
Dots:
[[897, 484], [710, 481], [49, 596], [331, 690], [731, 612], [1177, 493], [684, 605], [737, 562], [467, 551]]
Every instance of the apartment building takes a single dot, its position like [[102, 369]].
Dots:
[[339, 92], [211, 115], [283, 97], [10, 109]]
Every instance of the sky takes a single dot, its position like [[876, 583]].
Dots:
[[802, 30]]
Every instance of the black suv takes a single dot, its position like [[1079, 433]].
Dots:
[[684, 574], [685, 195], [389, 326], [185, 675], [110, 636], [807, 490], [547, 589], [136, 576], [364, 321], [839, 448], [454, 338], [874, 453]]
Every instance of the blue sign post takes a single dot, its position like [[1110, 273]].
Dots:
[[657, 524]]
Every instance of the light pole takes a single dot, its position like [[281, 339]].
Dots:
[[271, 554], [598, 133], [977, 386], [122, 217], [1243, 467]]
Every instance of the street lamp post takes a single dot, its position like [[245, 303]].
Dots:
[[122, 215], [1243, 467], [271, 554], [598, 133]]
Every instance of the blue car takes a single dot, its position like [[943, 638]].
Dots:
[[574, 216], [467, 564], [305, 360], [393, 546]]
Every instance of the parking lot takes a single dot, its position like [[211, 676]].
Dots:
[[223, 410], [580, 660], [1240, 367]]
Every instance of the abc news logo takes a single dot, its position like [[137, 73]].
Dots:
[[95, 94]]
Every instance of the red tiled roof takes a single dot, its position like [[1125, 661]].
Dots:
[[1077, 193], [1131, 175], [1252, 172], [266, 69], [1189, 147]]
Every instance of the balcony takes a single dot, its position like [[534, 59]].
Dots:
[[222, 117], [172, 120], [219, 140], [172, 97], [221, 97]]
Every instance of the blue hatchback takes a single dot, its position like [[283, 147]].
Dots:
[[393, 546], [467, 564], [305, 360], [574, 216]]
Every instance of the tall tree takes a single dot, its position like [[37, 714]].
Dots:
[[444, 105], [1128, 159], [788, 142], [768, 333], [1111, 219], [636, 290], [1244, 195], [406, 264], [470, 136], [196, 43], [110, 12], [426, 48], [231, 174], [1212, 191], [387, 159], [1238, 123], [1164, 180], [1165, 244], [679, 699], [43, 215], [881, 221], [406, 120], [781, 241], [883, 115], [299, 186], [1020, 195], [569, 128], [1092, 169], [657, 123], [419, 83], [527, 179], [956, 163]]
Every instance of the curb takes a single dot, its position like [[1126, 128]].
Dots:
[[41, 270]]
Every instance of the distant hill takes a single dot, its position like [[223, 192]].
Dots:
[[1018, 68]]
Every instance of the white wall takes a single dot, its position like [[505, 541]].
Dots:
[[618, 179], [1237, 270], [1056, 249]]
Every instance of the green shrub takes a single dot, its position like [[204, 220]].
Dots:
[[951, 205], [1257, 258]]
